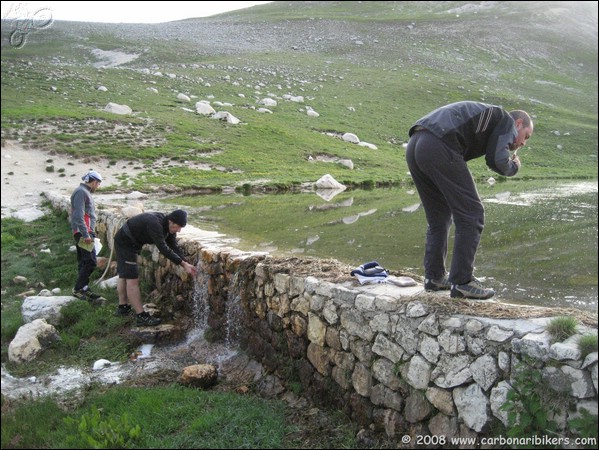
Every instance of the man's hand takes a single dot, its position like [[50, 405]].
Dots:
[[189, 268], [516, 159]]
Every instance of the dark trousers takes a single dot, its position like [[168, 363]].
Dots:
[[448, 192], [86, 263]]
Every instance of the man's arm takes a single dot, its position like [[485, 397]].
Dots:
[[157, 236], [497, 153]]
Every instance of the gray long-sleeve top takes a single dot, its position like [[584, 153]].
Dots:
[[475, 129], [83, 211]]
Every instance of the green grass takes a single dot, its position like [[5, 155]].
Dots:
[[169, 417], [87, 333], [561, 328], [21, 256], [587, 344]]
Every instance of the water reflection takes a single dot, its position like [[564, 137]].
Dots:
[[328, 194], [539, 245]]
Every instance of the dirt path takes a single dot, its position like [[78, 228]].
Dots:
[[26, 175]]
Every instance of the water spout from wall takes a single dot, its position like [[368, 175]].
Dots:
[[201, 307], [233, 312]]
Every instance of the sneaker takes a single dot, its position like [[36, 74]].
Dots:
[[437, 285], [123, 310], [93, 297], [146, 320], [88, 296], [474, 289]]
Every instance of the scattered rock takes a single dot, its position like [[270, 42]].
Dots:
[[199, 375]]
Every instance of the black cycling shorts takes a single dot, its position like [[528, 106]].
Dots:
[[126, 256]]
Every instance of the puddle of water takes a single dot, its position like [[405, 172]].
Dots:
[[539, 246]]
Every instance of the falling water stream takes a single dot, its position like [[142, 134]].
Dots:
[[148, 358]]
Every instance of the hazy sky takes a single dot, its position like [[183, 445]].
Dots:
[[120, 11]]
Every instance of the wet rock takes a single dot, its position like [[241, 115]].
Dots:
[[199, 375], [239, 368], [160, 334]]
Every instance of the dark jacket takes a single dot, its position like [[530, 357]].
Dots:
[[475, 129], [152, 228]]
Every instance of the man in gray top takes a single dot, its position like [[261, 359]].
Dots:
[[83, 224], [440, 144]]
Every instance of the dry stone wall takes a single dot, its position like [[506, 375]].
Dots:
[[397, 363], [382, 354]]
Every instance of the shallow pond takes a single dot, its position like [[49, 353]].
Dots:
[[539, 245]]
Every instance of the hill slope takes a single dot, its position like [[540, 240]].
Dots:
[[368, 68]]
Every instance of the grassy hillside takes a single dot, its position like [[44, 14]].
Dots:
[[368, 68]]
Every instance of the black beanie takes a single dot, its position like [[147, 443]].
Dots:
[[179, 217]]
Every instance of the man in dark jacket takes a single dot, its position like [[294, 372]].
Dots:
[[146, 228], [83, 224], [440, 144]]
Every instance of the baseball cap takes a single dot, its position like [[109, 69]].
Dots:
[[92, 175]]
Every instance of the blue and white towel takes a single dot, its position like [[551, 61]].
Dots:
[[370, 273]]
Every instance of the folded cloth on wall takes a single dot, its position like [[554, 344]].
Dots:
[[370, 273]]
